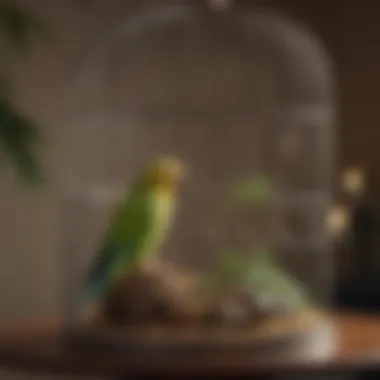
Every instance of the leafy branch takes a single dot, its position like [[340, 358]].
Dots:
[[18, 134], [18, 25]]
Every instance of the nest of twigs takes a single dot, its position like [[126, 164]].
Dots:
[[165, 295], [148, 296]]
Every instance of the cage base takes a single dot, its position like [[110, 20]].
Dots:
[[308, 332]]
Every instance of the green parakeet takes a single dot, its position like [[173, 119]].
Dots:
[[138, 227]]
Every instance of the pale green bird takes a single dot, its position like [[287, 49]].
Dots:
[[139, 226]]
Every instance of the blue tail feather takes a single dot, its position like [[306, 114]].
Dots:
[[98, 279]]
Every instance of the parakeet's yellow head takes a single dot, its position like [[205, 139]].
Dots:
[[165, 173]]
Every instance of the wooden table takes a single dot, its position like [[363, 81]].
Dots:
[[38, 348]]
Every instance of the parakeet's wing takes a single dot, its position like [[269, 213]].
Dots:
[[126, 234]]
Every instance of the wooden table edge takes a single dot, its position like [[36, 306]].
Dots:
[[359, 349]]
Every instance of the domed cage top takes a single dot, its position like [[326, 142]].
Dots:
[[244, 99]]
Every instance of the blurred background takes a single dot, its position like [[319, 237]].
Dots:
[[36, 74]]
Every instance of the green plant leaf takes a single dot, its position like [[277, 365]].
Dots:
[[256, 190], [18, 137], [18, 25], [267, 276], [230, 269], [258, 271], [230, 265]]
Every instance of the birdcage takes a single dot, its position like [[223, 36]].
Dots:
[[242, 98]]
